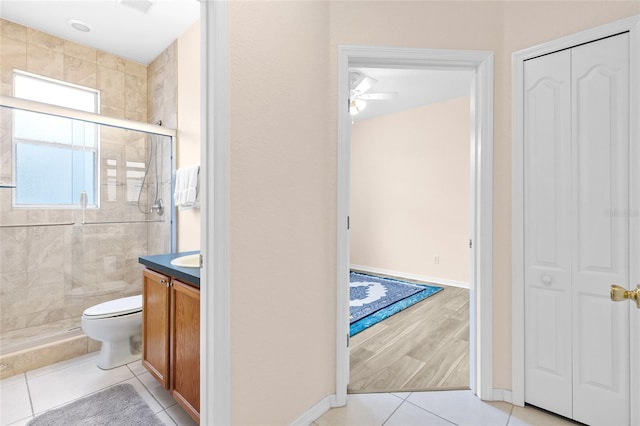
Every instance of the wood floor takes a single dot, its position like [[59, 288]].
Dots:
[[423, 347]]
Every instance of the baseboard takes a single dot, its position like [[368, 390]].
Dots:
[[410, 276], [313, 413], [503, 395]]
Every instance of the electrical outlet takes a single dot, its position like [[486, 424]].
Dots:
[[436, 259]]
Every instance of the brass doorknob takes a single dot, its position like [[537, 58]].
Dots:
[[620, 293]]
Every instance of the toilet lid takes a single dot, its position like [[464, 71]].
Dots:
[[113, 308]]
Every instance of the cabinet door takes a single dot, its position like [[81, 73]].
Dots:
[[185, 347], [155, 325]]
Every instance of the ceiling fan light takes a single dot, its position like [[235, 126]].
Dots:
[[356, 106]]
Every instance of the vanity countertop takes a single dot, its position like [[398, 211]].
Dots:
[[162, 263]]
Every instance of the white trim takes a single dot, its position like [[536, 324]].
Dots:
[[91, 117], [503, 395], [314, 413], [215, 359], [481, 294], [631, 24], [342, 264], [634, 205], [409, 276]]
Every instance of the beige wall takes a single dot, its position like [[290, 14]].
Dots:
[[188, 148], [283, 62], [282, 211], [410, 191]]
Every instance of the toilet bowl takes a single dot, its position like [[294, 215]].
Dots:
[[118, 325]]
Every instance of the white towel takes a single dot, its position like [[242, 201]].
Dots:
[[186, 191]]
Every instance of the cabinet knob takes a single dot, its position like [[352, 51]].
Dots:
[[546, 279]]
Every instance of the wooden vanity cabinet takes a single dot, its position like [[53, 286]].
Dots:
[[171, 337]]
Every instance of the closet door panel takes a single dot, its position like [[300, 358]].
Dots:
[[547, 232], [601, 233]]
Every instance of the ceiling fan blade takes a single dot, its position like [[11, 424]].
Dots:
[[363, 84], [378, 96]]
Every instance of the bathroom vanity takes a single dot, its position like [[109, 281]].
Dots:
[[171, 328]]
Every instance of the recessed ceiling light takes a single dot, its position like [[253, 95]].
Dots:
[[79, 25]]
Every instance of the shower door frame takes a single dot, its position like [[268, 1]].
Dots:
[[90, 117]]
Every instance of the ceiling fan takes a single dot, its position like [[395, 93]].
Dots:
[[359, 85]]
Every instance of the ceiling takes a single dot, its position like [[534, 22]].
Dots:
[[116, 27], [414, 87]]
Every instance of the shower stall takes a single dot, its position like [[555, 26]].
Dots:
[[82, 196]]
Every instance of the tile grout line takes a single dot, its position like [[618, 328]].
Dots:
[[510, 414], [394, 411], [26, 381], [164, 410], [431, 412]]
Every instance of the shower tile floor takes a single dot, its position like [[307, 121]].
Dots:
[[26, 395]]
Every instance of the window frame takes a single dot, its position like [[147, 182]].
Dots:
[[96, 149]]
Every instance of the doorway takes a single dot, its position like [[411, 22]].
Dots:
[[409, 227], [480, 64]]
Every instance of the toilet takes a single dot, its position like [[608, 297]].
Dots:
[[118, 325]]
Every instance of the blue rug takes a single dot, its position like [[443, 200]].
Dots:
[[373, 299]]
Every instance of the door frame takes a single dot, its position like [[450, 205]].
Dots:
[[631, 25], [481, 188], [215, 355]]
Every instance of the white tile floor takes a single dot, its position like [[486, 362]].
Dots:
[[32, 393], [434, 408], [25, 395]]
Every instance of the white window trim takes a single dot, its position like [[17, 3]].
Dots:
[[96, 149]]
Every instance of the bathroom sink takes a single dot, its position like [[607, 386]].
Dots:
[[188, 261]]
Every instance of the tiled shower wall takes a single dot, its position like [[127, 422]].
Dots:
[[162, 105], [50, 274]]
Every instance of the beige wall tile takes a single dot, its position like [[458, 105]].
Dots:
[[110, 82], [136, 115], [19, 362], [45, 62], [45, 247], [110, 111], [13, 53], [12, 30], [6, 80], [136, 69], [110, 61], [6, 89], [79, 51], [79, 72], [44, 40], [135, 93], [162, 88], [13, 251], [6, 149]]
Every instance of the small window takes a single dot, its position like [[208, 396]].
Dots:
[[55, 157]]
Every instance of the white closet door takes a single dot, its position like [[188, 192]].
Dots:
[[601, 233], [547, 226], [577, 231]]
